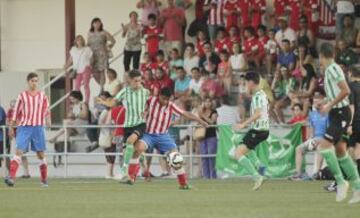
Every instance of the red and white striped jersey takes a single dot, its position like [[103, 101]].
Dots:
[[31, 110], [216, 16], [159, 117], [327, 21]]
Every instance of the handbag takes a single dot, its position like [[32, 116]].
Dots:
[[199, 133]]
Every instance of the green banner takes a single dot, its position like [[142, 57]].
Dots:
[[276, 153]]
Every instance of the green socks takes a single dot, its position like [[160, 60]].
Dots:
[[251, 155], [129, 150], [348, 165], [333, 164], [249, 167]]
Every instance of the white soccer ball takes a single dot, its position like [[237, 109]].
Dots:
[[175, 160]]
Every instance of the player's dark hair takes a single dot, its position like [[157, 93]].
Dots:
[[31, 75], [253, 76], [166, 91], [152, 17], [77, 95], [327, 50], [134, 73], [355, 70]]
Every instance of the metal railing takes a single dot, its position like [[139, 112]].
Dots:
[[66, 154]]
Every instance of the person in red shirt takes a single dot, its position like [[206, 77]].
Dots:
[[148, 64], [152, 35], [294, 9], [279, 7], [244, 10], [162, 80], [252, 47], [222, 42], [210, 87], [263, 39], [234, 38], [201, 41], [232, 12], [149, 81], [224, 74], [161, 62], [311, 11], [299, 117], [257, 9]]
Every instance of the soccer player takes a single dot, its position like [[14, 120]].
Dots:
[[159, 115], [259, 127], [33, 108], [337, 92], [134, 97]]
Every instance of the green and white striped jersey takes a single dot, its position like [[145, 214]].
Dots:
[[134, 101], [260, 101], [333, 75]]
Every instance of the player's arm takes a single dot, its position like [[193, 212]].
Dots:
[[250, 120], [344, 92], [191, 116]]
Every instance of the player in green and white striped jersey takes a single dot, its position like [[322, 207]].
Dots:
[[134, 98], [337, 93], [259, 127]]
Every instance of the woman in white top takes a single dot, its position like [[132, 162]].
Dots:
[[238, 62], [112, 84], [80, 58], [191, 60]]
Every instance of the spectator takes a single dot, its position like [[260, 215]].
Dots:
[[346, 56], [227, 114], [132, 50], [238, 62], [182, 84], [191, 60], [232, 12], [253, 49], [112, 84], [271, 50], [257, 11], [285, 32], [148, 7], [200, 44], [172, 19], [80, 58], [224, 74], [118, 118], [210, 87], [147, 64], [78, 115], [3, 122], [305, 36], [176, 61], [98, 39], [343, 8], [299, 117], [162, 80], [215, 9], [263, 37], [234, 38], [222, 41], [153, 35], [311, 11], [149, 82], [209, 145], [161, 62], [286, 57], [303, 57], [195, 82], [244, 8], [279, 7], [210, 60], [349, 32], [294, 11], [190, 16]]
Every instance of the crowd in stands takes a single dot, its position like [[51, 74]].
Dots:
[[202, 49]]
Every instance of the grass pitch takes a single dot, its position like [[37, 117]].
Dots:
[[94, 198]]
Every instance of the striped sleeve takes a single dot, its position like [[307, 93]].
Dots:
[[336, 74], [17, 109], [120, 95], [256, 101], [46, 106], [176, 110]]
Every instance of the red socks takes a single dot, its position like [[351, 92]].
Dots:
[[14, 166], [134, 168], [43, 171], [181, 177]]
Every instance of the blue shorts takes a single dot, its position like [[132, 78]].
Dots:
[[33, 136], [161, 142]]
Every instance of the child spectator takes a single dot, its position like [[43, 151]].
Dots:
[[196, 82], [271, 49], [238, 62], [161, 62], [222, 41], [299, 117], [112, 83], [201, 41], [253, 50], [191, 60], [148, 7], [152, 35], [232, 13], [234, 38], [224, 74], [176, 61], [148, 64], [118, 118], [182, 84]]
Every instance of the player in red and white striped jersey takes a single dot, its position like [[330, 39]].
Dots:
[[31, 113], [160, 112]]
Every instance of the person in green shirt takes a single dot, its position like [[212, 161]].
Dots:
[[134, 97]]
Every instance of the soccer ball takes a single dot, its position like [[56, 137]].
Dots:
[[175, 160]]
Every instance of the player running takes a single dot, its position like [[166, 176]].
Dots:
[[134, 98], [31, 113], [160, 112], [337, 93], [259, 128]]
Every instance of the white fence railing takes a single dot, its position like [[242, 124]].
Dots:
[[66, 154]]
